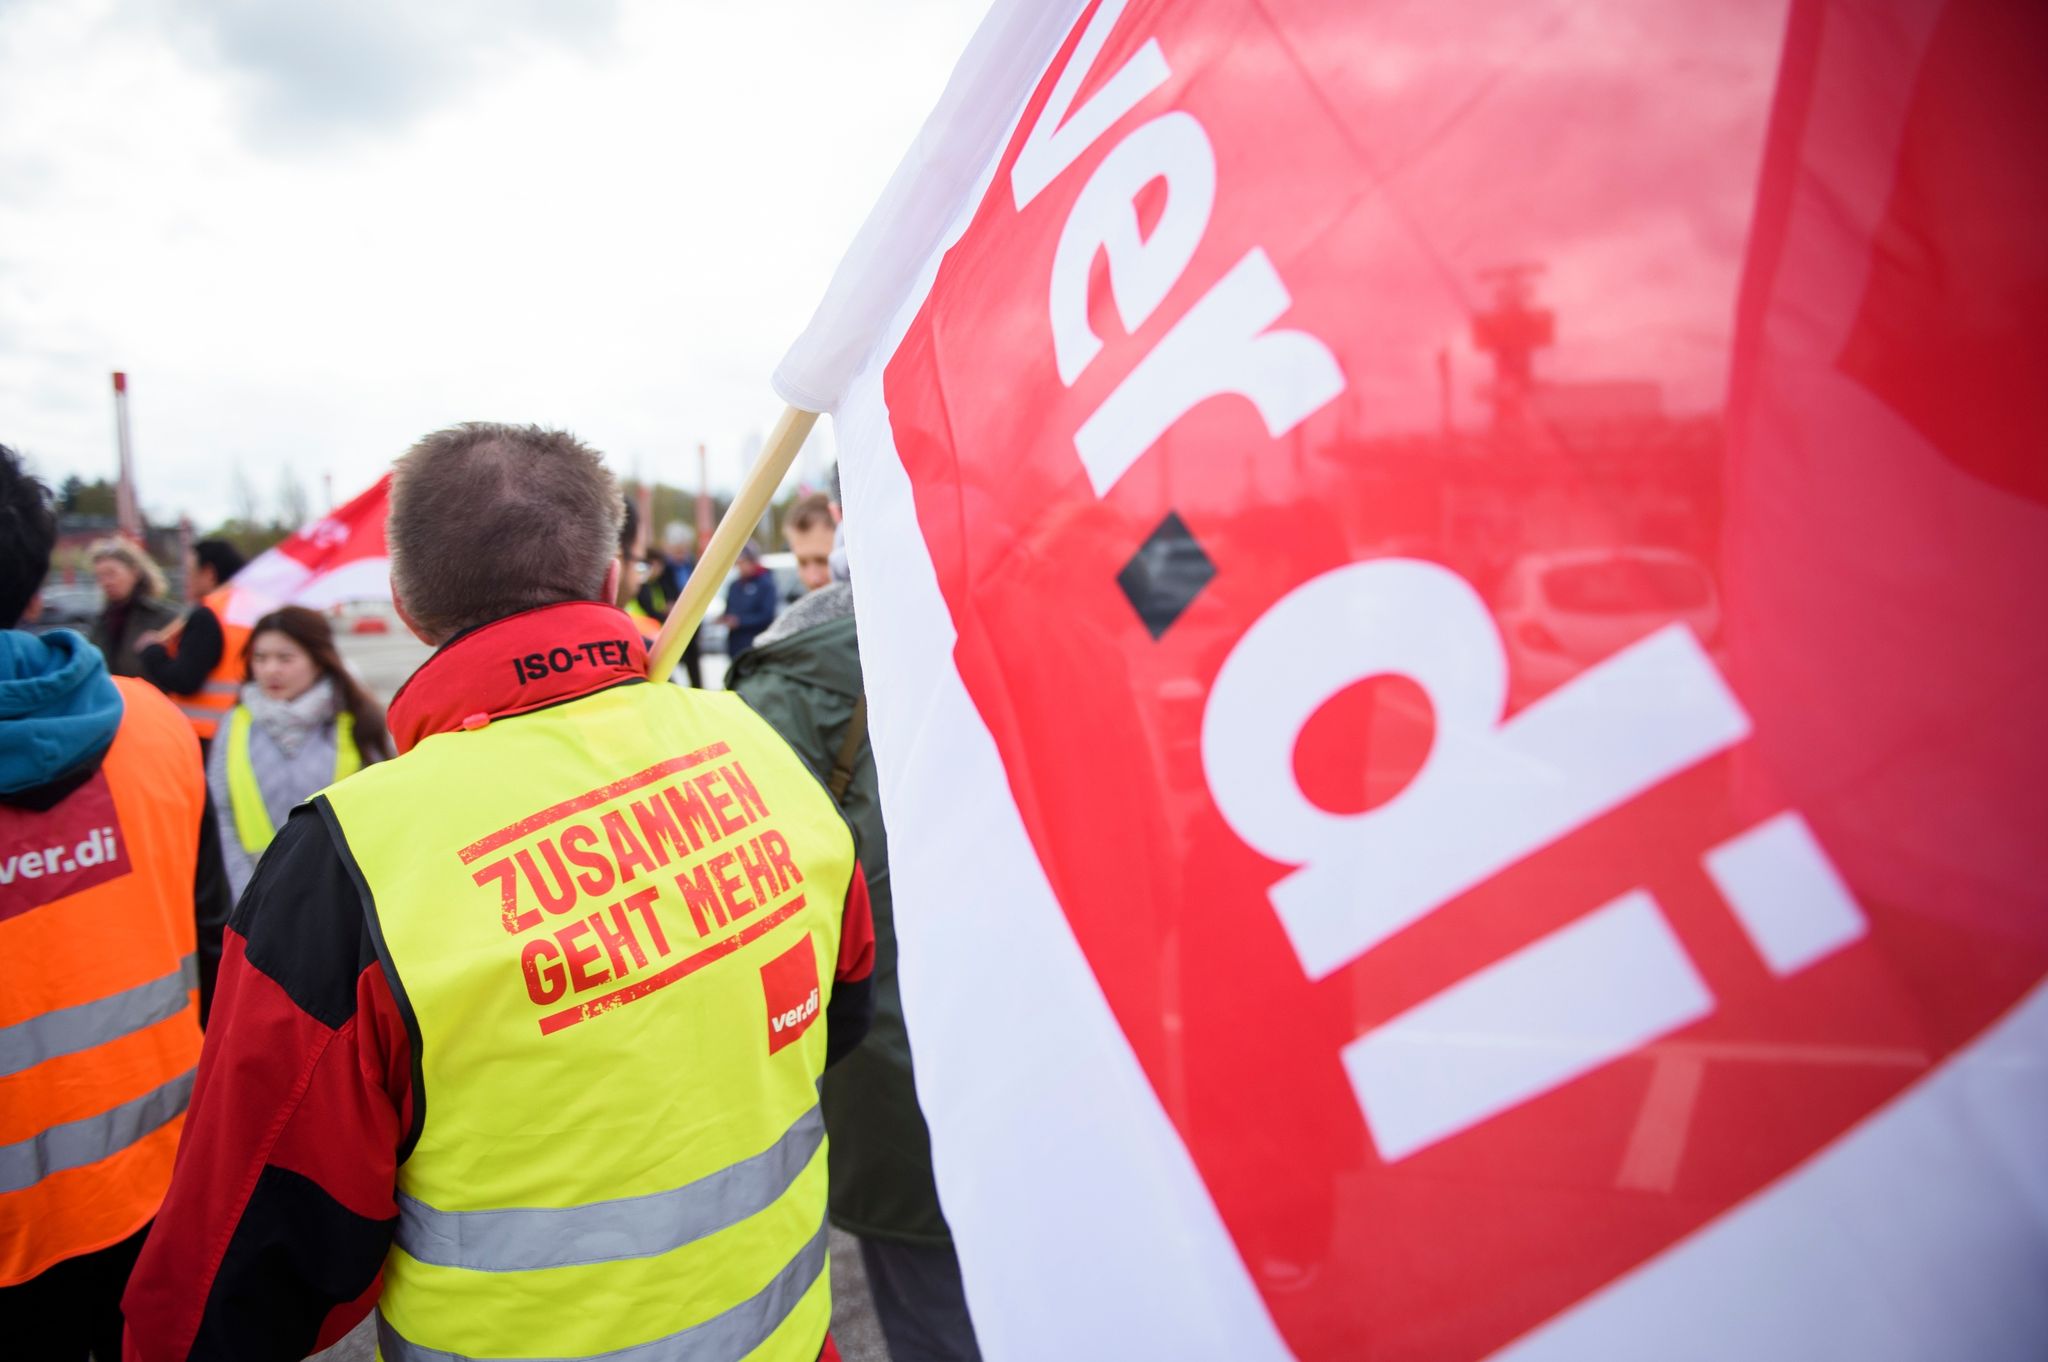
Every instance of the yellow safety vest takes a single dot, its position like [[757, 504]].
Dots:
[[252, 821], [615, 924]]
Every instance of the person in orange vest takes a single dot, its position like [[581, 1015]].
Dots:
[[667, 569], [519, 1033], [198, 661], [111, 906]]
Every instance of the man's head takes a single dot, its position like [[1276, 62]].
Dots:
[[750, 561], [28, 531], [488, 520], [809, 531], [678, 545], [209, 565]]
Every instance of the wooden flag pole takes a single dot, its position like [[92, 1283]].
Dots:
[[715, 559]]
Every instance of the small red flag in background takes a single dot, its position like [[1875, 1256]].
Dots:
[[338, 558]]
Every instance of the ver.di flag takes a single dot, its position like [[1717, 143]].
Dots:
[[338, 558], [1450, 601]]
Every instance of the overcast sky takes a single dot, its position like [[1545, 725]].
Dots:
[[312, 232]]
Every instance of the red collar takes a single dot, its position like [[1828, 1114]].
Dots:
[[522, 662]]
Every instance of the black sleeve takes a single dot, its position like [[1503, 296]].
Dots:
[[281, 1208], [847, 1017], [210, 904], [199, 649]]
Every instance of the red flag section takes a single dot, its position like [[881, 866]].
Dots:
[[1519, 800], [340, 557]]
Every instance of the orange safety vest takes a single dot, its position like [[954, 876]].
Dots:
[[223, 685], [99, 1018]]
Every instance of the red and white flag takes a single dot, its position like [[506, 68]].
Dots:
[[1450, 602], [338, 558]]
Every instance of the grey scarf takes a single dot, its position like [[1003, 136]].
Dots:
[[290, 722]]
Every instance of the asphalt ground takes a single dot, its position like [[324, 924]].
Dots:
[[382, 661]]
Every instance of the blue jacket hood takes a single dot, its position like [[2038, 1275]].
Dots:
[[58, 706]]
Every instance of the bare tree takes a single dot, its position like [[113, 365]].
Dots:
[[294, 506], [242, 495]]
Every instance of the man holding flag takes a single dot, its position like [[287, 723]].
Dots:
[[520, 1033], [803, 676]]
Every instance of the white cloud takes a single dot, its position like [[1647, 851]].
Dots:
[[308, 246], [314, 72]]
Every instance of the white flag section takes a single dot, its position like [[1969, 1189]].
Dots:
[[340, 557], [922, 202], [1448, 640]]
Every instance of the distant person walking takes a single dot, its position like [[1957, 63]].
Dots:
[[750, 603], [111, 907], [198, 661], [135, 606], [302, 723]]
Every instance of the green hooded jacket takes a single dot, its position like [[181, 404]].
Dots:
[[805, 684]]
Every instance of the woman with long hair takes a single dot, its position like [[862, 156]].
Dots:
[[133, 588], [303, 722]]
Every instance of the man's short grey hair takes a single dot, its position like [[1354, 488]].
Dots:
[[488, 520]]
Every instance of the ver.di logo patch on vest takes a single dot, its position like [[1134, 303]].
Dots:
[[66, 850], [789, 982]]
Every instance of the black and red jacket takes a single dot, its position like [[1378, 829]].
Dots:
[[282, 1204]]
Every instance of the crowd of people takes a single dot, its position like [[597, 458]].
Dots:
[[373, 1116]]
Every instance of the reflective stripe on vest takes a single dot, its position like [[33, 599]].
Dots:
[[74, 1144], [253, 828], [99, 1025], [69, 1030], [726, 1337], [625, 1227], [214, 699], [615, 923]]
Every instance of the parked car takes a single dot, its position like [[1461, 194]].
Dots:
[[1562, 611], [68, 606], [788, 586]]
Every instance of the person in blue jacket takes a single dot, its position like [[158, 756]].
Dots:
[[750, 603]]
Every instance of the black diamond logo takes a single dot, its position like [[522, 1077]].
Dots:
[[1166, 574]]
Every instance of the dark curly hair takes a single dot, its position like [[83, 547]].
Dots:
[[28, 532]]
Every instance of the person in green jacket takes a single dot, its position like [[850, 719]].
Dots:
[[803, 676]]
